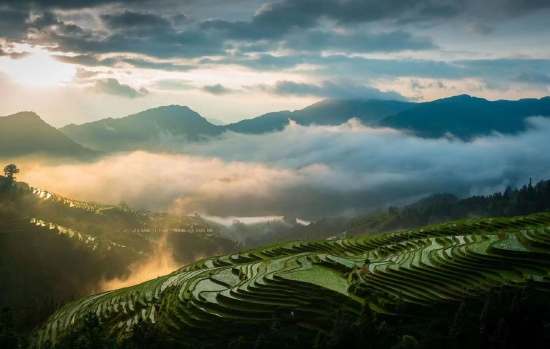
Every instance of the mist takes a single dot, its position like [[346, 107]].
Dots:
[[307, 172], [160, 263]]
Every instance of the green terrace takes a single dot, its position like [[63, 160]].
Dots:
[[312, 279]]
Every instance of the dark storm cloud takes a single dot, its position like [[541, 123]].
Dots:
[[217, 89], [328, 89], [113, 87]]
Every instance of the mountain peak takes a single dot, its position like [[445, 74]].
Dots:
[[459, 98], [25, 133], [24, 115]]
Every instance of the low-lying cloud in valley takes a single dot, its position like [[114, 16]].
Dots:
[[307, 172]]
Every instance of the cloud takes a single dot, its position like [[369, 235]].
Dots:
[[174, 85], [307, 172], [533, 77], [417, 85], [328, 89], [11, 53], [359, 42], [84, 76], [132, 20], [111, 86], [217, 89], [167, 66], [85, 60], [63, 4]]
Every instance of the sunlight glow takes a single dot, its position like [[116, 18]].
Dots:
[[37, 70]]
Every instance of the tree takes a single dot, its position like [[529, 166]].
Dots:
[[147, 335], [10, 170], [86, 334], [407, 342], [8, 337]]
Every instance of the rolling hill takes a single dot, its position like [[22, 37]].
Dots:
[[467, 117], [26, 134], [148, 130], [301, 285]]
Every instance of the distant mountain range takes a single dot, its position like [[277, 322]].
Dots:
[[467, 117], [326, 112], [158, 129], [26, 134]]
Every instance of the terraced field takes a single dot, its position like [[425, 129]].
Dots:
[[310, 280], [118, 226], [52, 245]]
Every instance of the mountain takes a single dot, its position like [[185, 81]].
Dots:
[[467, 117], [25, 134], [326, 112], [164, 128], [148, 130], [159, 128], [360, 290]]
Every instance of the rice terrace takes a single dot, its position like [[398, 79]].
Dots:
[[274, 174]]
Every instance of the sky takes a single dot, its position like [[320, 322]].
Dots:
[[80, 61]]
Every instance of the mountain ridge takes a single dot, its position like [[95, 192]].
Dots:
[[467, 117], [146, 129]]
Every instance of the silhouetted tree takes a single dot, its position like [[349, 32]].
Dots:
[[11, 170]]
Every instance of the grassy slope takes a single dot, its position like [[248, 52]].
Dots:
[[441, 263]]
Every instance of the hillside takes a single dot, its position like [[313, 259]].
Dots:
[[26, 134], [399, 276], [148, 130], [57, 247], [467, 117], [326, 112]]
